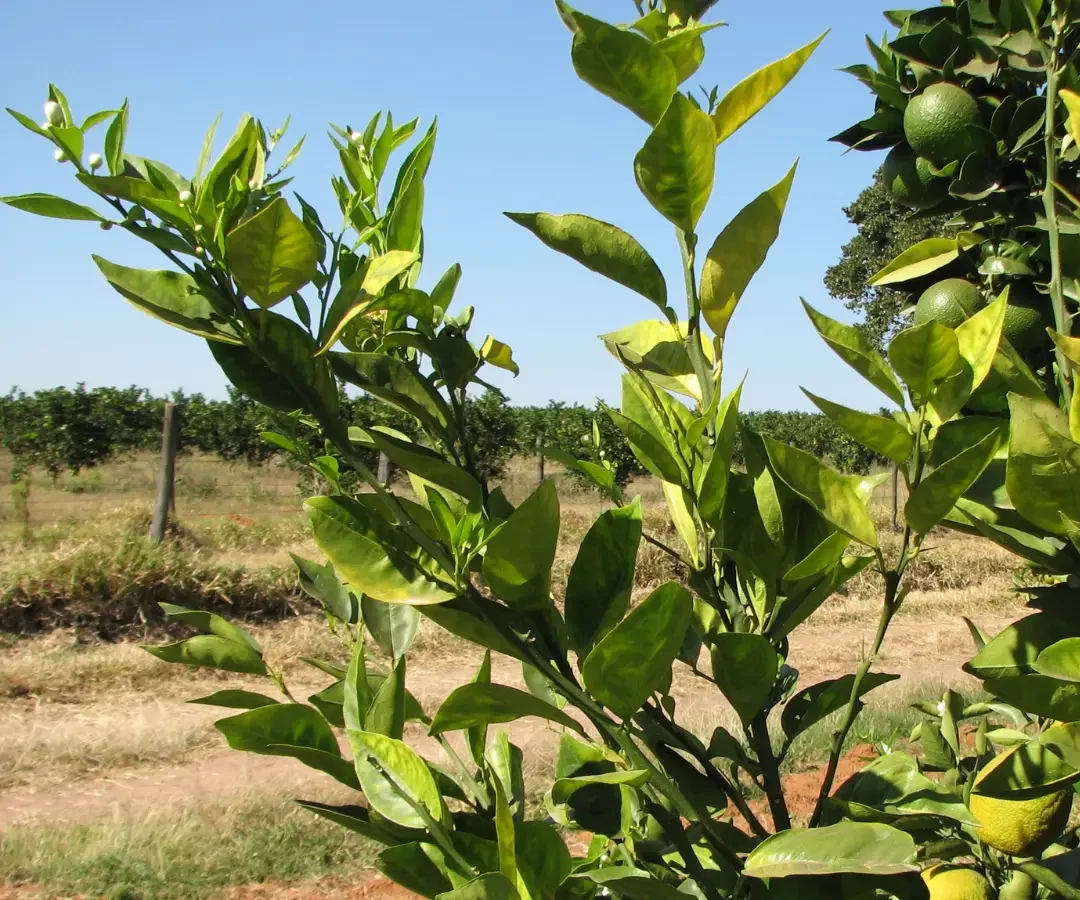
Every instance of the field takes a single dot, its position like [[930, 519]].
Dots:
[[111, 785]]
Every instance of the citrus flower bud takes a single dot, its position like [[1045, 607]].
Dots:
[[253, 185], [186, 197], [200, 252], [95, 161], [356, 137], [198, 228], [59, 155], [54, 115]]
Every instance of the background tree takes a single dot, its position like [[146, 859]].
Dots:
[[886, 228]]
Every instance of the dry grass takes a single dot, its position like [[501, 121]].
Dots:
[[188, 855], [61, 743]]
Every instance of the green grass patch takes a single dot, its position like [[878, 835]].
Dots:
[[185, 855]]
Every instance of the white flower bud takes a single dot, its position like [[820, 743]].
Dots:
[[200, 252], [198, 228], [941, 708], [186, 197], [253, 185], [357, 138], [54, 115], [95, 161], [59, 155]]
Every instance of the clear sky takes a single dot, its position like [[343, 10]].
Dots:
[[517, 131]]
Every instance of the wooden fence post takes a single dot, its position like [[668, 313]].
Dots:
[[166, 475], [895, 497], [539, 460], [384, 470]]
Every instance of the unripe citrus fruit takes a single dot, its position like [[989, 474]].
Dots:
[[1027, 317], [935, 123], [949, 302], [1020, 887], [908, 179], [1019, 827], [957, 883]]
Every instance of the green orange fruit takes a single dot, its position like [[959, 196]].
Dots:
[[1027, 317], [948, 302], [936, 121], [909, 181]]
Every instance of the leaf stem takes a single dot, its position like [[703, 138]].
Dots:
[[1062, 321], [770, 769], [688, 246]]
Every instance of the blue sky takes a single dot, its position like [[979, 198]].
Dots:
[[517, 131]]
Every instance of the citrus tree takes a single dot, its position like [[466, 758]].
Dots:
[[976, 101], [762, 546]]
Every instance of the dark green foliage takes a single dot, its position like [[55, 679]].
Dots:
[[886, 229]]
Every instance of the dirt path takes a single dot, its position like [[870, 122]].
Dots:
[[919, 649]]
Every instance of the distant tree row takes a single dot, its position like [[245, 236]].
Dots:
[[67, 430]]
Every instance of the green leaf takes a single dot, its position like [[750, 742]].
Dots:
[[426, 463], [211, 623], [602, 576], [417, 867], [504, 833], [1031, 770], [739, 251], [1039, 695], [679, 502], [852, 347], [284, 374], [621, 65], [212, 652], [924, 356], [404, 230], [481, 703], [543, 859], [396, 382], [517, 564], [26, 122], [934, 497], [356, 695], [744, 667], [1015, 650], [753, 93], [1060, 660], [686, 49], [386, 715], [373, 555], [272, 255], [810, 705], [322, 584], [491, 886], [824, 489], [457, 619], [392, 625], [650, 449], [289, 729], [925, 257], [395, 780], [496, 353], [713, 479], [235, 700], [859, 848], [1043, 472], [564, 788], [634, 659], [172, 297], [978, 338], [356, 818], [881, 434], [53, 207], [675, 168], [1059, 873], [115, 138], [601, 247]]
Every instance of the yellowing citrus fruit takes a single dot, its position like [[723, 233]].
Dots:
[[1027, 317], [1019, 827], [909, 181], [957, 883], [935, 123], [949, 302]]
